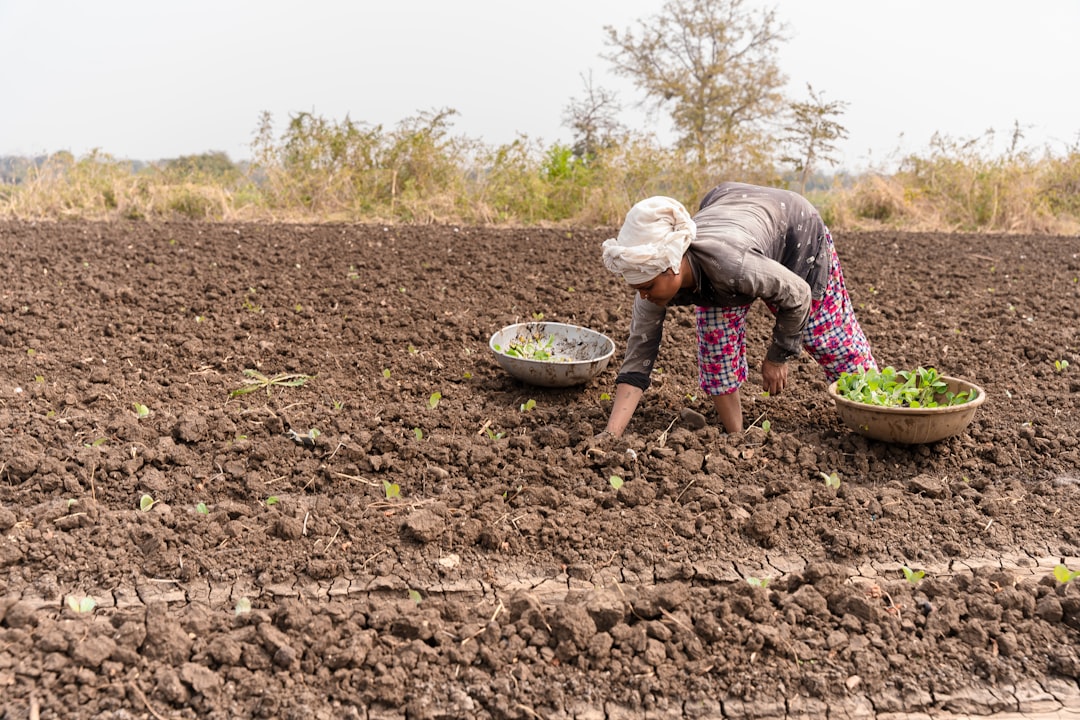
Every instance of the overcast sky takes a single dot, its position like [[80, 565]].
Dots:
[[148, 80]]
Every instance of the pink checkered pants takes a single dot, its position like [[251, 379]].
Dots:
[[832, 337]]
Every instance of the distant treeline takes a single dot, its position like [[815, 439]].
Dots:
[[320, 170]]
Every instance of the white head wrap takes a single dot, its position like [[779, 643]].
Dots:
[[653, 238]]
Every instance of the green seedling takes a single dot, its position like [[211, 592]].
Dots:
[[832, 480], [1064, 574], [538, 316], [528, 405], [39, 378], [913, 576], [386, 372], [415, 596], [391, 490], [272, 500], [255, 380], [307, 439], [97, 443], [243, 606], [202, 509], [467, 375], [766, 426], [81, 606], [412, 349], [337, 404], [146, 502], [758, 582], [615, 481], [919, 388], [141, 410], [249, 302], [1060, 365], [605, 396], [433, 401], [418, 433], [492, 435]]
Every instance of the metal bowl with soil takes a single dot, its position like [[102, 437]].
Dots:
[[551, 354]]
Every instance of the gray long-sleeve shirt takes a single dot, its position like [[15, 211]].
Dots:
[[752, 242]]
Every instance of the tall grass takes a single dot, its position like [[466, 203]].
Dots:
[[317, 170]]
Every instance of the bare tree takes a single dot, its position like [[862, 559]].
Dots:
[[592, 119], [812, 134], [714, 62]]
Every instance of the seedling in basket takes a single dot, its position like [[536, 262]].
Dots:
[[255, 380], [889, 387], [536, 347]]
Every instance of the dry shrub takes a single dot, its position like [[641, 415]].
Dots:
[[873, 201]]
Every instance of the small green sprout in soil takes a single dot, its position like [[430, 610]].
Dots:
[[415, 596], [605, 396], [919, 388], [467, 375], [615, 481], [412, 349], [538, 316], [766, 426], [1064, 574], [146, 502], [141, 410], [306, 439], [202, 509], [272, 500], [391, 490], [81, 606], [832, 480], [528, 405], [386, 372], [433, 401], [1060, 365], [97, 443], [418, 433], [758, 582], [913, 576], [492, 435], [255, 380], [243, 606], [249, 303]]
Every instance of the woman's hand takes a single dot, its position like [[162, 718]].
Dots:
[[773, 377]]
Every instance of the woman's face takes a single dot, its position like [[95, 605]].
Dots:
[[661, 288]]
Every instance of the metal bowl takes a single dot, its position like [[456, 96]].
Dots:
[[910, 426], [577, 354]]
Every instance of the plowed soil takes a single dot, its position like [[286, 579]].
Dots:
[[343, 542]]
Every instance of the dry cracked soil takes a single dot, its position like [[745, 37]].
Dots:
[[385, 527]]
